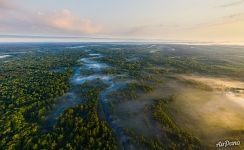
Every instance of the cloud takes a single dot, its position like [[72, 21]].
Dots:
[[4, 4], [227, 28], [64, 20], [235, 3], [233, 18], [16, 20], [7, 5]]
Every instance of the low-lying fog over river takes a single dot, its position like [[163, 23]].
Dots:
[[4, 56], [212, 115], [139, 96]]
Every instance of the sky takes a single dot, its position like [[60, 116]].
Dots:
[[218, 21]]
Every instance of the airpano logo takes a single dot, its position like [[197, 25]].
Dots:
[[228, 143]]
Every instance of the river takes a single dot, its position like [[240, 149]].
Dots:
[[73, 98]]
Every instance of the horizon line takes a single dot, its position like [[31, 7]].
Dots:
[[120, 40]]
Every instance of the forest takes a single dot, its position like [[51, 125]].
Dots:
[[118, 96], [29, 90]]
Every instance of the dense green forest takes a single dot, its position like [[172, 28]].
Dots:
[[35, 80], [30, 87]]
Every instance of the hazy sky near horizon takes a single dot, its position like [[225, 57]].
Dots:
[[163, 20]]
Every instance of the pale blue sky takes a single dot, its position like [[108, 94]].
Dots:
[[166, 20]]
